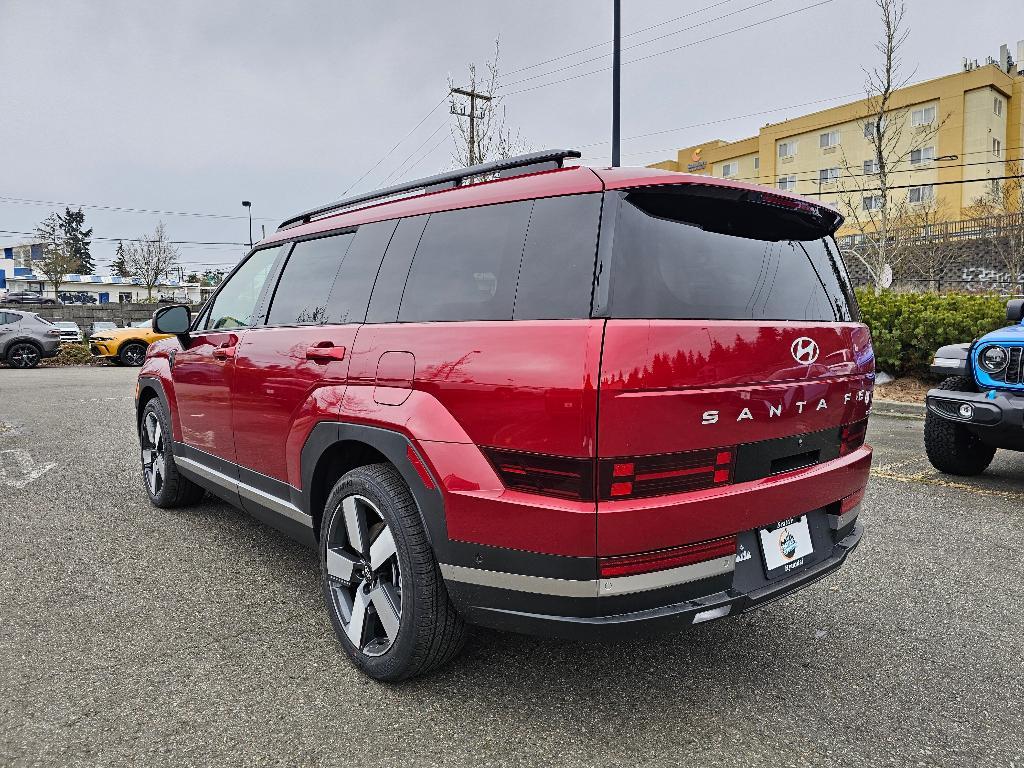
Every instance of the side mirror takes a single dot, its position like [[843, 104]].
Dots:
[[1014, 310], [176, 320]]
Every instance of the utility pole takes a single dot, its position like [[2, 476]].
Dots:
[[616, 67], [473, 95]]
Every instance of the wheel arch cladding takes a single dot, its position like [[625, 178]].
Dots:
[[338, 446], [150, 388]]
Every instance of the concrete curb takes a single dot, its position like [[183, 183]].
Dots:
[[896, 408]]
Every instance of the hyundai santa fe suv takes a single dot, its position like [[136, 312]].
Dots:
[[557, 400]]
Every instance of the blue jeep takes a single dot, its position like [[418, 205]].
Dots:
[[979, 407]]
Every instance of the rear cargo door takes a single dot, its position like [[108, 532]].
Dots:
[[732, 350]]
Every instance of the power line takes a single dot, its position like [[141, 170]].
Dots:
[[134, 239], [125, 209], [401, 165]]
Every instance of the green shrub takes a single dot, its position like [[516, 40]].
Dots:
[[907, 328]]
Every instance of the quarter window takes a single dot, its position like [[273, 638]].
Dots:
[[236, 303], [352, 286], [467, 265], [391, 278], [305, 284]]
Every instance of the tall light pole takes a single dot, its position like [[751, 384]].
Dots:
[[616, 66], [248, 206]]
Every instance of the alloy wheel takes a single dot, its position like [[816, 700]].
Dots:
[[363, 574], [134, 354], [154, 458], [23, 356]]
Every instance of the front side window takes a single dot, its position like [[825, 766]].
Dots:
[[467, 264], [305, 284], [236, 303]]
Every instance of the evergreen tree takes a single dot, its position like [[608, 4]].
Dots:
[[120, 265], [77, 239]]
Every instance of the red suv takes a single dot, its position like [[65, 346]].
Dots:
[[568, 401]]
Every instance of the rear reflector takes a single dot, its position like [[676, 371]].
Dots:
[[851, 501], [421, 470], [851, 436], [566, 478], [637, 477], [630, 565]]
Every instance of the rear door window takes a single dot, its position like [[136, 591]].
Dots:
[[686, 256], [305, 284], [557, 273], [352, 286], [390, 283], [467, 265]]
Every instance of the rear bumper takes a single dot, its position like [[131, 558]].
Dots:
[[584, 611]]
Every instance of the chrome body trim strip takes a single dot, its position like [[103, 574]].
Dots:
[[642, 582]]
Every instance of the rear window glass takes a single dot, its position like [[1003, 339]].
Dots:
[[557, 274], [678, 255], [305, 284], [467, 265], [390, 283], [352, 286]]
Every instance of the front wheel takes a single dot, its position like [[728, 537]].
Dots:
[[384, 591], [132, 354], [164, 484], [23, 355], [951, 447]]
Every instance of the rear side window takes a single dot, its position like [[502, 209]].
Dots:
[[467, 265], [557, 274], [387, 290], [688, 256], [305, 284], [352, 286]]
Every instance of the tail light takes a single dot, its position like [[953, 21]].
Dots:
[[851, 436], [630, 565], [566, 478], [640, 476]]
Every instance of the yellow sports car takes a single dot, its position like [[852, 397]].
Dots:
[[125, 346]]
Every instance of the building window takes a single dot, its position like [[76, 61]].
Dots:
[[730, 169], [787, 148], [757, 162], [872, 202], [922, 194], [997, 147], [828, 175], [997, 106], [869, 128], [925, 116], [787, 183], [994, 186], [870, 167], [124, 298], [830, 139], [922, 155]]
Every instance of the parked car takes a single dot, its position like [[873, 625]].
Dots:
[[979, 406], [173, 299], [79, 297], [69, 331], [579, 402], [100, 326], [26, 338], [28, 297], [125, 346]]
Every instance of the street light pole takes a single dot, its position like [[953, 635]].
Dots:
[[248, 206], [616, 67]]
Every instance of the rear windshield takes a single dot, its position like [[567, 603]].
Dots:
[[706, 253]]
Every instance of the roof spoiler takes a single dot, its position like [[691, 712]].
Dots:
[[520, 165]]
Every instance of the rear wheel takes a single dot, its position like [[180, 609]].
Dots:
[[23, 354], [384, 591], [164, 484], [133, 354], [951, 447]]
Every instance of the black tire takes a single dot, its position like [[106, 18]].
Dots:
[[24, 355], [429, 631], [171, 490], [951, 447], [132, 354]]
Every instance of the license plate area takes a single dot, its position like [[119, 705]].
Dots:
[[786, 546]]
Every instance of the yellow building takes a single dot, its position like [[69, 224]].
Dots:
[[965, 126]]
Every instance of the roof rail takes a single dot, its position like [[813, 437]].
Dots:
[[521, 164]]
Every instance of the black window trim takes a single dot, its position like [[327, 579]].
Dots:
[[196, 329]]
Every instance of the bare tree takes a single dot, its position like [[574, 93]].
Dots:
[[151, 258], [921, 234], [1006, 200], [59, 259], [487, 136], [876, 211]]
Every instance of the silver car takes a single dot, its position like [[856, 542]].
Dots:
[[69, 331], [26, 338]]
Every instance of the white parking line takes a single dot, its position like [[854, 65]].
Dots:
[[18, 468]]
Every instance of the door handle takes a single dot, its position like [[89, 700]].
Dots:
[[325, 351], [225, 351]]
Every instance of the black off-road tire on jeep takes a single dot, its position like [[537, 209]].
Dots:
[[951, 447], [429, 631], [166, 486]]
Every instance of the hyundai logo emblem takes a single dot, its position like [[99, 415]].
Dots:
[[804, 350]]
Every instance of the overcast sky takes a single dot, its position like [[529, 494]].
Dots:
[[194, 106]]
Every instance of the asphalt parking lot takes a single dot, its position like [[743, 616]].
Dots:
[[136, 636]]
